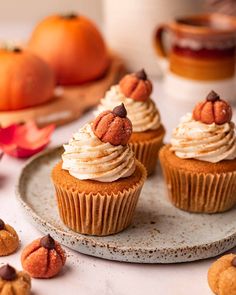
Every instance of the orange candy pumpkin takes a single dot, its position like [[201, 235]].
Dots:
[[43, 258], [113, 126], [72, 46], [25, 81], [136, 86], [213, 110], [222, 275]]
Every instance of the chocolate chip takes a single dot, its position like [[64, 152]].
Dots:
[[2, 224], [233, 262], [120, 111], [47, 242], [141, 75], [212, 96], [7, 273]]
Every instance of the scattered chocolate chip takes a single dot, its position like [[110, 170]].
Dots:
[[233, 262], [2, 224], [47, 242], [120, 111], [141, 75], [212, 96], [17, 50], [70, 16], [7, 273]]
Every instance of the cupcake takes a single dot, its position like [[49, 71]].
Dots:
[[134, 91], [98, 181], [200, 163]]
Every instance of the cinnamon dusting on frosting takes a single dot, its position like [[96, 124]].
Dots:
[[87, 157], [206, 142]]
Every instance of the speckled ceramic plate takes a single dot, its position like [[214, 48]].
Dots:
[[160, 233]]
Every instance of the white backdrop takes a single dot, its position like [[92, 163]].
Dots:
[[32, 10], [17, 17]]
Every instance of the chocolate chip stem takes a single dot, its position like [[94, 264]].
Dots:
[[120, 111], [2, 224], [47, 242], [212, 96], [141, 75], [7, 273]]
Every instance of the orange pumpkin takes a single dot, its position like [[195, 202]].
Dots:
[[25, 81], [136, 86], [213, 110], [72, 46], [113, 126]]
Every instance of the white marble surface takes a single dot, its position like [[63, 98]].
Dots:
[[91, 276]]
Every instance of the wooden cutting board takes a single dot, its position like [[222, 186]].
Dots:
[[69, 103]]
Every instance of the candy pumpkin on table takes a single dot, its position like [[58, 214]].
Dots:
[[26, 80], [72, 46]]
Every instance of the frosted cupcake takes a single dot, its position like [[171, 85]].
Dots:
[[134, 91], [98, 181], [200, 163]]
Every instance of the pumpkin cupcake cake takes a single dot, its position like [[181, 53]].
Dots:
[[134, 91], [200, 163], [98, 181]]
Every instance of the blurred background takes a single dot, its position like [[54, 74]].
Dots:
[[17, 18], [32, 11], [119, 20]]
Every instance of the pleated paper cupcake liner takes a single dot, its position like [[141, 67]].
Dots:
[[98, 214], [147, 152], [200, 192]]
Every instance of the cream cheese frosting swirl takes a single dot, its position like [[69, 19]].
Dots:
[[143, 115], [207, 142], [87, 157]]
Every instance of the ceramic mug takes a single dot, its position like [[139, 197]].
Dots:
[[202, 47], [129, 27]]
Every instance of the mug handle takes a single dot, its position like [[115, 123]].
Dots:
[[158, 41]]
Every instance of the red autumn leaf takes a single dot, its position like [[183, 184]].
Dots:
[[24, 140]]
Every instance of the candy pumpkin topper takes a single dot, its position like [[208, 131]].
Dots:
[[136, 86], [221, 275], [113, 126], [9, 240], [13, 281], [43, 258], [213, 110]]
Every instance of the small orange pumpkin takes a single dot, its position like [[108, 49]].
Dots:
[[136, 86], [43, 258], [221, 275], [13, 281], [213, 110], [113, 126], [72, 46], [25, 81]]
